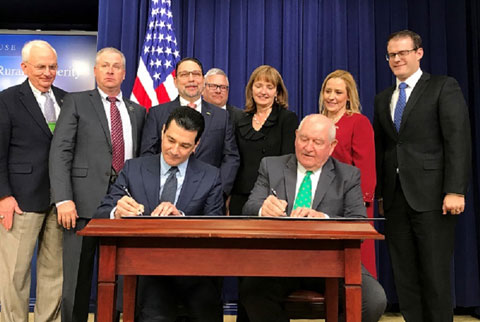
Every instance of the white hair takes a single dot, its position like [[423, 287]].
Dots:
[[111, 50], [332, 130], [216, 71], [27, 48]]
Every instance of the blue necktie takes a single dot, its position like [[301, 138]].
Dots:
[[169, 190], [402, 101]]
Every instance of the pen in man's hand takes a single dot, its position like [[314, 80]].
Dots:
[[125, 189], [273, 192]]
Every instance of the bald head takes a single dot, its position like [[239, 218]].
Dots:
[[315, 141]]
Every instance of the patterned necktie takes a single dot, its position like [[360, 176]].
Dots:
[[402, 101], [169, 190], [192, 105], [49, 111], [304, 195], [118, 146]]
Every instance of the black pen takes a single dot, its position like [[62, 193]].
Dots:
[[273, 192], [125, 189]]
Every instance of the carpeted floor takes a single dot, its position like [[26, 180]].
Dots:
[[389, 317]]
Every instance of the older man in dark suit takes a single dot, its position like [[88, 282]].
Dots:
[[28, 113], [172, 183], [217, 146], [96, 132], [308, 183], [422, 142]]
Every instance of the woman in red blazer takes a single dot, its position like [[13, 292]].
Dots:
[[339, 101]]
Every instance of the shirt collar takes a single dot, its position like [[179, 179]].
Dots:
[[184, 102], [412, 80], [104, 95], [164, 166], [36, 91], [302, 169]]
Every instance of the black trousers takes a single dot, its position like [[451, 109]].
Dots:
[[421, 247], [160, 297]]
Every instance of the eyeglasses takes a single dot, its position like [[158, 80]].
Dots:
[[214, 87], [43, 68], [401, 54], [195, 74]]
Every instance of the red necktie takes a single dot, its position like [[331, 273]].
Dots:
[[118, 146], [192, 105]]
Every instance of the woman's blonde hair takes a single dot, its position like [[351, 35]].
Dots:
[[353, 103], [269, 74]]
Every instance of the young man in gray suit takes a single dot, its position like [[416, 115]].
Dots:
[[96, 132], [423, 151], [27, 117], [308, 183]]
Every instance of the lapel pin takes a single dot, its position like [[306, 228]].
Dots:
[[208, 113]]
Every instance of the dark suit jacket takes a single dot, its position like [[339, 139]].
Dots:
[[338, 191], [217, 144], [432, 151], [201, 192], [81, 151], [232, 111], [276, 137], [24, 147]]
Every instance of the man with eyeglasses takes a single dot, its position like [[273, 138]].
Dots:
[[423, 151], [96, 132], [28, 115], [217, 145], [216, 91]]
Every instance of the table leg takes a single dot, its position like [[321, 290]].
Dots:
[[353, 282], [353, 307], [129, 291], [106, 297]]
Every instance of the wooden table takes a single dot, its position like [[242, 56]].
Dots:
[[227, 247]]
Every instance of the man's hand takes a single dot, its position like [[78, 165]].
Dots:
[[307, 212], [453, 203], [227, 206], [274, 207], [166, 209], [67, 214], [381, 211], [8, 207], [127, 206]]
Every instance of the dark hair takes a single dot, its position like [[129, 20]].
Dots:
[[417, 40], [188, 119], [195, 60]]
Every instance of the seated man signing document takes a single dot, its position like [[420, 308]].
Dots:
[[172, 183], [308, 183]]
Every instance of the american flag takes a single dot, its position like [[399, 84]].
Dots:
[[154, 83]]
